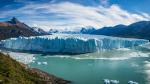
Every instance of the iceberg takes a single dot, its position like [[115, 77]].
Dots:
[[70, 43], [132, 82], [107, 81]]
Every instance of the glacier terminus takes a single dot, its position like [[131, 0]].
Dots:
[[70, 43]]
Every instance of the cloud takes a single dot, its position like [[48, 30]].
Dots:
[[67, 15]]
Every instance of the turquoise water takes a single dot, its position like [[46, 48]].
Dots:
[[93, 68]]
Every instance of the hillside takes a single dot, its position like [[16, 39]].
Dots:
[[12, 72], [136, 30], [15, 28]]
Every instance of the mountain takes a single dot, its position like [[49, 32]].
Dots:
[[83, 30], [53, 31], [63, 31], [39, 30], [15, 28], [87, 30], [109, 30], [136, 30], [13, 72]]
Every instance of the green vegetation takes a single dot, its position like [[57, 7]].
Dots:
[[13, 72]]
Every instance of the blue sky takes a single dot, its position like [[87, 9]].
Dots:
[[73, 14]]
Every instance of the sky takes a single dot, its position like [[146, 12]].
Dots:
[[74, 14]]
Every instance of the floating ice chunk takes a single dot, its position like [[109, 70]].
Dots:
[[132, 82], [114, 81], [39, 63], [44, 63], [106, 81]]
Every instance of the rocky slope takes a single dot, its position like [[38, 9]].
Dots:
[[15, 28], [13, 72]]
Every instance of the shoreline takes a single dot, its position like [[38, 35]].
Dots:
[[49, 78], [45, 77]]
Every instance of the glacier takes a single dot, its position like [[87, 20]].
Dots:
[[70, 43]]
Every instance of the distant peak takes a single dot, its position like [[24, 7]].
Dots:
[[14, 20]]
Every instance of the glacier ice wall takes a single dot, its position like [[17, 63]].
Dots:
[[70, 43]]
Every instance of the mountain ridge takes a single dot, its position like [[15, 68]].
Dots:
[[139, 30], [15, 28]]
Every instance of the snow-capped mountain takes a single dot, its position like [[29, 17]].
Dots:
[[87, 30], [82, 30], [39, 30], [63, 31], [53, 31]]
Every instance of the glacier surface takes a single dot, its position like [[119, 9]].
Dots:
[[70, 43]]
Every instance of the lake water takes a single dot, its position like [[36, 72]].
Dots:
[[115, 58], [122, 65]]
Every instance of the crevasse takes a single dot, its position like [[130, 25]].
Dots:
[[71, 43]]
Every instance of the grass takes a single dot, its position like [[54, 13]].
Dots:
[[12, 72]]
